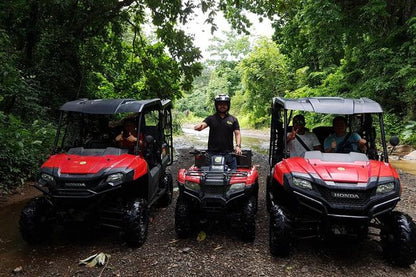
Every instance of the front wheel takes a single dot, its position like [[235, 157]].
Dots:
[[135, 222], [279, 232], [183, 218], [166, 183], [248, 220], [398, 239], [34, 223]]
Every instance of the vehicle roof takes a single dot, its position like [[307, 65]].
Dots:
[[329, 105], [113, 106]]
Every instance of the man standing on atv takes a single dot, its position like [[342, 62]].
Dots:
[[222, 126]]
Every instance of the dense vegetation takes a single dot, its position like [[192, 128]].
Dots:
[[335, 48], [53, 51]]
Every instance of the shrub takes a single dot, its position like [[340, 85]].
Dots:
[[22, 150]]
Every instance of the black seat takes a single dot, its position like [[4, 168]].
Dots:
[[322, 132], [245, 159]]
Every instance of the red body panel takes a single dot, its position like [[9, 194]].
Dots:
[[75, 164], [354, 172], [252, 176]]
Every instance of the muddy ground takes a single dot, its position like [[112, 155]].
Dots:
[[221, 253]]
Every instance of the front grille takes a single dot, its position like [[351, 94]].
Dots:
[[354, 198], [74, 193], [77, 184], [209, 189], [214, 183]]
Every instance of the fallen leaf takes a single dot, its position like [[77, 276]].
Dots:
[[18, 269], [174, 241], [218, 247], [96, 259], [186, 250], [92, 263], [101, 258], [86, 260], [201, 236]]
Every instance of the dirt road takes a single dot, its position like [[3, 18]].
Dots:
[[220, 254]]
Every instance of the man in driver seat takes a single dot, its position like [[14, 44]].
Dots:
[[222, 126], [341, 141]]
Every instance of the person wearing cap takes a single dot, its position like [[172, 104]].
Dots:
[[300, 139], [222, 128]]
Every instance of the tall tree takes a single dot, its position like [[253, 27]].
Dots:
[[354, 48], [264, 75], [62, 47]]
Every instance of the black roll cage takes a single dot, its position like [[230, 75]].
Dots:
[[283, 108], [119, 106]]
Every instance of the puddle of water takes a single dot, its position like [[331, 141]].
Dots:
[[405, 166], [258, 142]]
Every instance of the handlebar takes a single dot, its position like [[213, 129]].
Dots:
[[197, 152], [205, 152]]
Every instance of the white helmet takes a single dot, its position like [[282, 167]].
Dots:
[[222, 98]]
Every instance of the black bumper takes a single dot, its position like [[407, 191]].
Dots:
[[342, 200], [364, 212], [215, 203]]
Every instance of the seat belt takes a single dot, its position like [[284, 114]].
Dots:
[[302, 142], [342, 143]]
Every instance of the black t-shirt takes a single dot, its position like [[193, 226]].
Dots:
[[221, 132]]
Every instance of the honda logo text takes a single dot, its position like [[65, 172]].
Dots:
[[345, 195]]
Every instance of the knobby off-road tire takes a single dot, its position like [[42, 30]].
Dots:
[[34, 221], [166, 182], [248, 220], [183, 218], [279, 232], [398, 239], [135, 222]]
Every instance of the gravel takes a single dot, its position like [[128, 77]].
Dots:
[[220, 253]]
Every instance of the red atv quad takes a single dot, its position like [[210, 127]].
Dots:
[[91, 179], [327, 195], [209, 189]]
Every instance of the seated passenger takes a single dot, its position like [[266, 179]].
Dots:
[[341, 141], [128, 136], [301, 140]]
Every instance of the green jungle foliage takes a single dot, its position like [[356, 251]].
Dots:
[[23, 147], [353, 49], [54, 51]]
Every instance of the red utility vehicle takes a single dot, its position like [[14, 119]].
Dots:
[[210, 190], [336, 194], [91, 178]]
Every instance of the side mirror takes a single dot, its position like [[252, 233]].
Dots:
[[394, 140]]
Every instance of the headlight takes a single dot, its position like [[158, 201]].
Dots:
[[301, 183], [48, 178], [384, 188], [115, 178], [237, 186], [191, 185]]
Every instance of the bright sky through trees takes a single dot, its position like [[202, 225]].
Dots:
[[203, 36]]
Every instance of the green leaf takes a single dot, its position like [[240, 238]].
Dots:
[[201, 236]]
